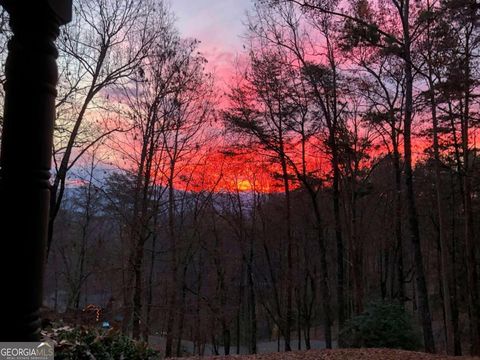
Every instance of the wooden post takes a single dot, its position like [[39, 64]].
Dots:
[[25, 160]]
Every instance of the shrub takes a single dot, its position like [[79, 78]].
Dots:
[[81, 343], [382, 325]]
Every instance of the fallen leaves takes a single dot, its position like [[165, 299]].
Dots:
[[340, 354]]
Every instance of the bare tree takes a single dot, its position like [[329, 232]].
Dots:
[[167, 106], [100, 49], [362, 26]]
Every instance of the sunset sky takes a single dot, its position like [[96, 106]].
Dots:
[[218, 24]]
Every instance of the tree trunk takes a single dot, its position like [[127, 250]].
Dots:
[[421, 284], [445, 266], [289, 281], [324, 288], [183, 308], [137, 294], [252, 302], [456, 330], [398, 219], [338, 232], [173, 268], [471, 248], [150, 285]]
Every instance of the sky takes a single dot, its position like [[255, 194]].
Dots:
[[218, 24]]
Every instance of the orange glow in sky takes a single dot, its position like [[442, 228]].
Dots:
[[215, 169]]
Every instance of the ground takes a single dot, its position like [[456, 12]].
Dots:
[[340, 354]]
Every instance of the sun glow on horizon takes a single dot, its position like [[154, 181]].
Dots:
[[244, 185]]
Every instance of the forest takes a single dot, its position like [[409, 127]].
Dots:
[[333, 173]]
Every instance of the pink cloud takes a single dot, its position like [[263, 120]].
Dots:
[[218, 24], [215, 22]]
